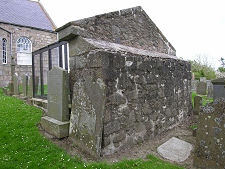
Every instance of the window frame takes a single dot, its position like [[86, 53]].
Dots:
[[4, 51], [24, 46]]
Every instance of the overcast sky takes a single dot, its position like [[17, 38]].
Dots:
[[193, 27]]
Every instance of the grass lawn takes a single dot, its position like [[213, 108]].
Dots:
[[205, 99], [22, 146]]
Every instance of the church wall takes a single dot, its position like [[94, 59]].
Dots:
[[39, 39]]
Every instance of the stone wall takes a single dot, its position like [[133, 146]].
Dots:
[[130, 27], [39, 39], [124, 96], [5, 69], [210, 145]]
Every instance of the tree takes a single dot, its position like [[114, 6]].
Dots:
[[222, 67], [201, 68]]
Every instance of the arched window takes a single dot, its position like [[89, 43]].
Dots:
[[24, 51], [4, 51]]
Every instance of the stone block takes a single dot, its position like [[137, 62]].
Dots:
[[57, 128]]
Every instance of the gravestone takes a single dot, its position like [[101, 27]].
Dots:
[[210, 140], [194, 85], [16, 85], [25, 85], [57, 120], [210, 92], [197, 104], [218, 88], [201, 88], [209, 84], [203, 79], [30, 88]]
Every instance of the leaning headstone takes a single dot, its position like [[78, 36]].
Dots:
[[57, 120], [30, 88], [203, 79], [25, 85], [210, 140], [175, 150], [197, 104], [218, 88], [16, 85], [201, 88]]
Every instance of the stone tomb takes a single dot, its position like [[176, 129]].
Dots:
[[218, 88], [201, 88], [210, 140], [57, 120], [127, 84]]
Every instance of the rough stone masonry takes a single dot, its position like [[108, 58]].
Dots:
[[123, 95]]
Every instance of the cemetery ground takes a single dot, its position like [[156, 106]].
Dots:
[[23, 145]]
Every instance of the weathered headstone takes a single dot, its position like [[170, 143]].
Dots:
[[16, 85], [30, 87], [25, 85], [194, 85], [203, 79], [209, 84], [210, 140], [57, 120], [197, 104], [201, 88], [210, 92], [218, 88]]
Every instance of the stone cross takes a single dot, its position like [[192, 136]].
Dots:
[[197, 104]]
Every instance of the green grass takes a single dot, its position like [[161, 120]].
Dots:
[[22, 146], [205, 99]]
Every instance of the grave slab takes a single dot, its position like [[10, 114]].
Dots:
[[175, 150]]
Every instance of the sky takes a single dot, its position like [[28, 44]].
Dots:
[[196, 28]]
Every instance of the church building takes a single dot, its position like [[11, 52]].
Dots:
[[25, 26]]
